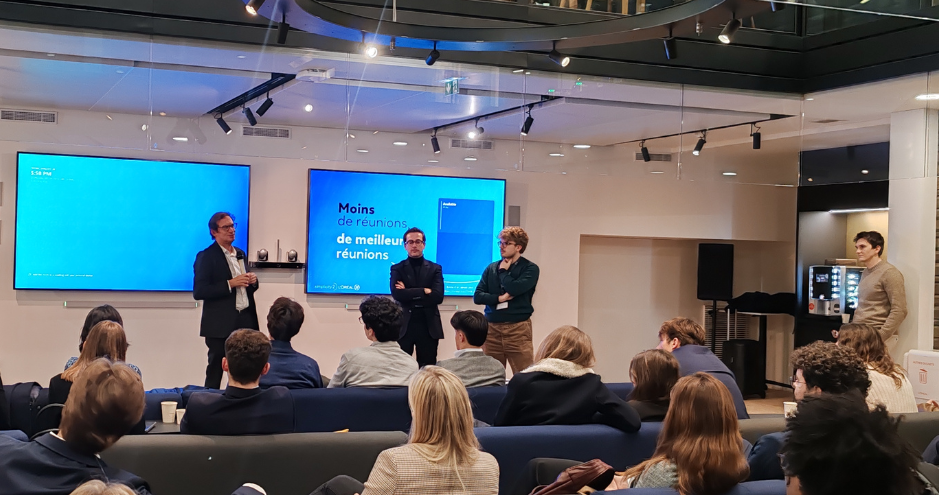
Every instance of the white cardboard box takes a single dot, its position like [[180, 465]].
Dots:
[[922, 368]]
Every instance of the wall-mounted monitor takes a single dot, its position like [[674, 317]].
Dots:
[[90, 223], [357, 222]]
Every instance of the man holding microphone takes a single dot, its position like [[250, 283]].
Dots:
[[226, 288]]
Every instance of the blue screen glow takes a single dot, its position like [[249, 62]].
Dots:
[[113, 224], [357, 221]]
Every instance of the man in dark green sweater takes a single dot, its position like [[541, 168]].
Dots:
[[506, 288]]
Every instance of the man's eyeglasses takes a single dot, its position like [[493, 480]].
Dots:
[[506, 243], [793, 380], [415, 243], [228, 227]]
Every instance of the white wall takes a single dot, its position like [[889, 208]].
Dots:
[[37, 333], [629, 286]]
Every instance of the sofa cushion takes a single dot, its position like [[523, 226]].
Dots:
[[514, 446], [774, 487], [292, 464], [621, 389], [758, 425], [356, 409], [486, 402]]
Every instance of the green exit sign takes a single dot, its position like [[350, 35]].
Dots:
[[451, 87]]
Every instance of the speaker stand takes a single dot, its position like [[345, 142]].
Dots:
[[714, 326]]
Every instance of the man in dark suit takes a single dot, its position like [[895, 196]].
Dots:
[[244, 408], [226, 288], [105, 401], [417, 284]]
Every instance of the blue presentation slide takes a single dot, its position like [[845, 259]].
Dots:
[[114, 224], [358, 219]]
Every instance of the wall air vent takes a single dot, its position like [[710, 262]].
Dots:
[[655, 157], [472, 144], [29, 116], [270, 132]]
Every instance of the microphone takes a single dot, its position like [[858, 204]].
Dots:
[[239, 254]]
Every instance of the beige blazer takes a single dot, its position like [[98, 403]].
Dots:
[[401, 470]]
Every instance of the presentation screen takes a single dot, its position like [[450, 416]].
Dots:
[[85, 223], [358, 220]]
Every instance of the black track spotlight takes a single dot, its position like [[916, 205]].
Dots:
[[268, 103], [671, 52], [556, 57], [757, 137], [475, 132], [253, 6], [224, 125], [529, 120], [433, 56], [727, 35], [250, 116], [434, 144], [646, 157], [282, 31], [700, 146]]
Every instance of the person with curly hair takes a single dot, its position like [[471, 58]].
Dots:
[[889, 384], [820, 367], [289, 368], [383, 363], [835, 444]]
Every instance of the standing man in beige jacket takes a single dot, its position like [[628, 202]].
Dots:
[[881, 293]]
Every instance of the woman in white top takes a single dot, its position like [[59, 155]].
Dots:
[[889, 385]]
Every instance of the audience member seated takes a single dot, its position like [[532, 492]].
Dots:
[[561, 389], [442, 455], [653, 374], [889, 384], [382, 364], [101, 313], [699, 450], [821, 367], [97, 487], [684, 338], [105, 401], [835, 445], [244, 408], [289, 368], [105, 340], [470, 364]]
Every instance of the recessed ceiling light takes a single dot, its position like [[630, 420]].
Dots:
[[144, 127], [865, 171], [50, 54], [399, 143], [308, 107], [527, 72], [162, 114], [516, 71], [928, 96], [108, 116], [656, 172], [120, 72], [182, 139], [362, 151], [729, 174], [352, 136], [555, 154], [432, 161], [374, 133], [582, 146], [242, 56], [810, 99], [810, 179], [470, 159]]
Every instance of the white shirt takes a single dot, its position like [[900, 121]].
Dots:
[[237, 267]]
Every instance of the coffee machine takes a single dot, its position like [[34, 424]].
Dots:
[[833, 289]]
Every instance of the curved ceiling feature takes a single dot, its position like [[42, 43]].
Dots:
[[679, 20]]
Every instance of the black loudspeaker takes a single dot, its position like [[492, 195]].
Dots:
[[745, 358], [715, 272]]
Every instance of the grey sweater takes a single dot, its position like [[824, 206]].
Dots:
[[881, 299], [475, 368]]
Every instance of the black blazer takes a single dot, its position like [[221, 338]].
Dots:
[[541, 398], [48, 465], [413, 298], [210, 285], [239, 411]]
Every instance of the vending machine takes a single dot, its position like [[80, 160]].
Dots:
[[833, 289]]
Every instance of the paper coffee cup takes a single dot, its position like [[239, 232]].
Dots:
[[789, 409], [179, 415], [169, 411]]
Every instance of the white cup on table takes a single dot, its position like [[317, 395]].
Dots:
[[169, 411]]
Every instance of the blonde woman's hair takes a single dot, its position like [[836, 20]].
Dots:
[[97, 487], [105, 340], [441, 418], [568, 343]]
